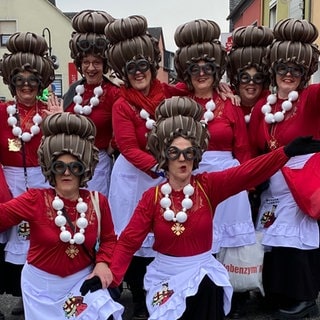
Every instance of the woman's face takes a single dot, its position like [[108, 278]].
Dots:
[[180, 169], [92, 69], [202, 76], [250, 86], [27, 87], [288, 78], [66, 170], [139, 75]]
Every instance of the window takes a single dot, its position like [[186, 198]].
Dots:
[[7, 28], [3, 39]]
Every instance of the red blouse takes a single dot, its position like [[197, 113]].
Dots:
[[47, 252], [210, 190], [101, 114], [15, 158], [302, 120]]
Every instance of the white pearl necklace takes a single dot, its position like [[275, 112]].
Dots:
[[208, 115], [94, 101], [186, 203], [60, 221], [16, 130], [144, 114], [285, 106]]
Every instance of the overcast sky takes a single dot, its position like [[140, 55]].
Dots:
[[168, 14]]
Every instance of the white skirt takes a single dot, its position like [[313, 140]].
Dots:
[[128, 183], [176, 278], [18, 236], [291, 227], [232, 223], [51, 297], [101, 179]]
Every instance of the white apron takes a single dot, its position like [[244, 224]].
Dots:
[[18, 243], [128, 183], [232, 223], [51, 297], [101, 179], [281, 220], [170, 280]]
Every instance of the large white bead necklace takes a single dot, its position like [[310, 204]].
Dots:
[[94, 101], [208, 115], [16, 130], [144, 114], [60, 221], [285, 106], [186, 203]]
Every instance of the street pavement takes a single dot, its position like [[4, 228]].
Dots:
[[254, 308]]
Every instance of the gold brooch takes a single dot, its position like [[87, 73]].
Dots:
[[14, 145], [178, 228], [72, 251]]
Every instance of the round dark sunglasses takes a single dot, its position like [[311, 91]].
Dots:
[[133, 66], [75, 167], [295, 70], [173, 153], [245, 77], [20, 81], [194, 69]]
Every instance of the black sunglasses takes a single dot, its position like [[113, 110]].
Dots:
[[295, 70], [98, 43], [245, 77], [173, 153], [141, 65], [209, 68], [20, 81], [75, 167]]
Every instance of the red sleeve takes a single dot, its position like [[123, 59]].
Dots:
[[249, 174], [107, 236], [133, 235], [5, 193], [175, 90], [130, 135]]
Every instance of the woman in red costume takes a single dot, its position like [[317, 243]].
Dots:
[[94, 95], [291, 267], [135, 56], [27, 70], [66, 274], [185, 281]]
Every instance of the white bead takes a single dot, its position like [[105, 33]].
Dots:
[[11, 109], [82, 223], [98, 91], [210, 105], [12, 121], [149, 124], [293, 95], [35, 129], [57, 204], [188, 190], [86, 110], [208, 115], [77, 99], [278, 116], [269, 118], [17, 131], [78, 238], [165, 202], [286, 105], [266, 109], [181, 217], [65, 236], [94, 101], [144, 114], [272, 98], [80, 88], [26, 137], [166, 188], [187, 203], [37, 119], [247, 118], [81, 207], [60, 221], [168, 215]]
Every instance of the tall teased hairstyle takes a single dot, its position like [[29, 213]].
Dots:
[[130, 40], [294, 43], [29, 52], [249, 48], [89, 27], [177, 117], [67, 133], [198, 40]]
